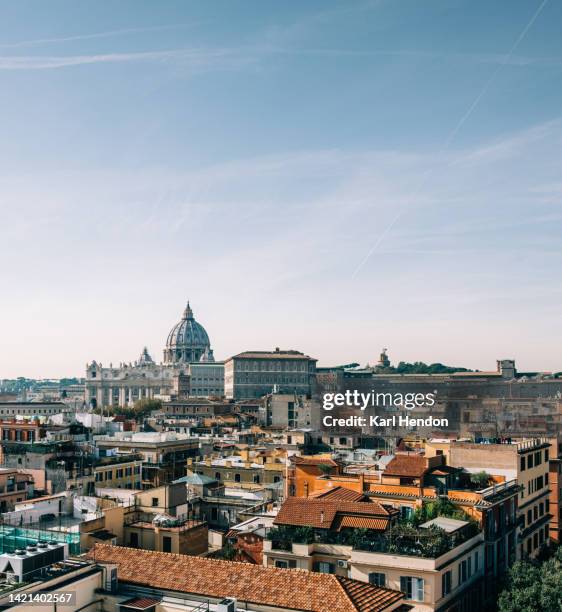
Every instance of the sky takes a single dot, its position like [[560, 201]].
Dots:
[[328, 176]]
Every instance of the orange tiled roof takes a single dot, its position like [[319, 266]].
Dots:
[[406, 465], [315, 461], [338, 493], [399, 490], [361, 522], [268, 586], [321, 514]]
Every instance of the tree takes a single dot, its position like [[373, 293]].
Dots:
[[523, 591], [228, 552], [532, 587], [480, 479], [325, 468]]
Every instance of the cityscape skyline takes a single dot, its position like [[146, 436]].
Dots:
[[329, 177]]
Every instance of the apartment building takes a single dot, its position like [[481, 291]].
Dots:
[[15, 487], [184, 537], [29, 430], [438, 567], [246, 470], [121, 474], [163, 454], [290, 411], [526, 461]]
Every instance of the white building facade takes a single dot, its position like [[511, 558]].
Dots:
[[187, 352]]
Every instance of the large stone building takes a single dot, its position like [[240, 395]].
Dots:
[[188, 369], [256, 373]]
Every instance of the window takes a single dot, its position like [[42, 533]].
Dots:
[[134, 541], [154, 502], [377, 578], [256, 479], [166, 544], [324, 567], [217, 475], [412, 587], [463, 571], [446, 580], [529, 461], [522, 464], [236, 477], [476, 561], [406, 512]]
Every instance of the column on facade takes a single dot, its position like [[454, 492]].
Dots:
[[130, 398], [99, 396]]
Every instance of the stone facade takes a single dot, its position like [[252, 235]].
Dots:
[[188, 366], [256, 373]]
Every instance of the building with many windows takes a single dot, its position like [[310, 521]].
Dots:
[[526, 461], [256, 373]]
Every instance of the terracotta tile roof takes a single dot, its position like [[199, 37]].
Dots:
[[322, 514], [361, 522], [338, 493], [267, 586], [315, 461], [413, 466], [385, 490]]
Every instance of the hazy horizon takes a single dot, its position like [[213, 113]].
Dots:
[[328, 176]]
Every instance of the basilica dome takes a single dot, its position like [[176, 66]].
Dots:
[[187, 341]]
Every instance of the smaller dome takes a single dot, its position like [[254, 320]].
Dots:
[[145, 358]]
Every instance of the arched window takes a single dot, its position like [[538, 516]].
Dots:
[[236, 477]]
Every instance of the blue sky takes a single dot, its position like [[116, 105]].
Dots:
[[328, 176]]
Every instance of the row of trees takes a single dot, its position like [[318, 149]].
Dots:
[[141, 409], [419, 367]]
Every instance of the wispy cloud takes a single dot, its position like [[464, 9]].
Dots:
[[92, 36], [193, 58]]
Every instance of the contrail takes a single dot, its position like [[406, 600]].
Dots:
[[456, 129], [482, 93], [109, 34]]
